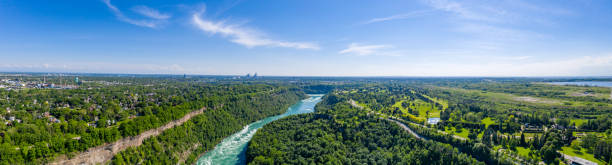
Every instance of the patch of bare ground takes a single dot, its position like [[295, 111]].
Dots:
[[104, 153], [581, 94], [535, 100]]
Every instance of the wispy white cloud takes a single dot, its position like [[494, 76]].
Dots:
[[398, 16], [499, 12], [494, 27], [498, 34], [122, 17], [150, 12], [548, 9], [244, 36], [458, 9], [367, 50]]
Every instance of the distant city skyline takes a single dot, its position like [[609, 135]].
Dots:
[[308, 38]]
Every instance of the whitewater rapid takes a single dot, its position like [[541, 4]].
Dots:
[[233, 148]]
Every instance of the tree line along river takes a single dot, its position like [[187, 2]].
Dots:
[[232, 149]]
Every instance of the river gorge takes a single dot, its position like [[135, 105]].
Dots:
[[232, 149]]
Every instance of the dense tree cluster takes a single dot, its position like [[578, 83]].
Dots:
[[66, 121], [340, 134], [38, 124], [467, 109], [183, 144]]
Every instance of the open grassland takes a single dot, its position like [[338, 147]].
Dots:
[[528, 100], [579, 91]]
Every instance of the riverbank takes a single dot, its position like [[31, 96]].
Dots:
[[232, 149]]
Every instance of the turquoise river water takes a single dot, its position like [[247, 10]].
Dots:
[[233, 148]]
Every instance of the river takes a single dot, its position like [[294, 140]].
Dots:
[[586, 83], [233, 148]]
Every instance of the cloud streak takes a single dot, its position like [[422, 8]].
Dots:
[[458, 9], [149, 12], [143, 23], [398, 16], [245, 36], [367, 50], [492, 27]]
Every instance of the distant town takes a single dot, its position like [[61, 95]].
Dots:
[[20, 81]]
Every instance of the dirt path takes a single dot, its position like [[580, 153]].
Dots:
[[104, 153]]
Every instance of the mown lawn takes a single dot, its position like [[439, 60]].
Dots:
[[581, 154], [452, 130], [487, 121], [523, 151], [578, 122], [421, 106]]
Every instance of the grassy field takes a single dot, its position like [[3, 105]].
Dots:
[[424, 109], [452, 130], [439, 101], [523, 151], [487, 121], [578, 122], [581, 154], [511, 98], [583, 91]]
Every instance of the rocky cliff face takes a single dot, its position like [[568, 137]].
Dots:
[[104, 153]]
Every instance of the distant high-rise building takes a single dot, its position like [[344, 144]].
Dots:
[[248, 75], [255, 75]]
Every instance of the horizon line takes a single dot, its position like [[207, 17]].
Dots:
[[231, 75]]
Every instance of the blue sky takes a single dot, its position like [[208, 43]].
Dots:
[[309, 38]]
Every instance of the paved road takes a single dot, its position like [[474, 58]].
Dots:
[[392, 119], [403, 126], [439, 131], [406, 128], [578, 160]]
